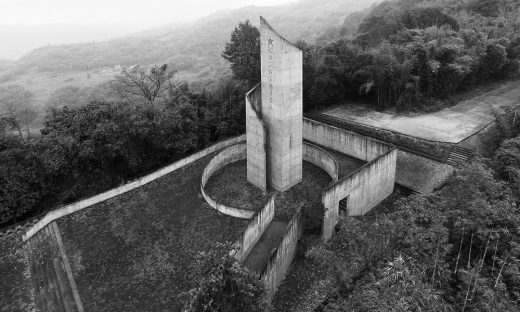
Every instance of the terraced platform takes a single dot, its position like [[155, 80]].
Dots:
[[451, 125]]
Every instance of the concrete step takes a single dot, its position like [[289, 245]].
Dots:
[[463, 152], [458, 157]]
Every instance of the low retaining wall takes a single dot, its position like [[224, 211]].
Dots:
[[281, 260], [255, 229], [431, 149], [229, 155], [75, 207], [322, 159], [346, 142], [363, 189]]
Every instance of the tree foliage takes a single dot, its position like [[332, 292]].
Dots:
[[226, 285], [412, 54], [143, 83], [16, 109], [243, 52], [89, 144], [454, 250], [507, 164]]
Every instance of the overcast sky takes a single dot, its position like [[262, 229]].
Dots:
[[144, 12]]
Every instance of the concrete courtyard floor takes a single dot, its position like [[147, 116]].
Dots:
[[450, 125]]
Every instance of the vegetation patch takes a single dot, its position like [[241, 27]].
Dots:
[[229, 186], [15, 282], [433, 173], [137, 252]]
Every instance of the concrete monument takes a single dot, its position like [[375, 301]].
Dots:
[[274, 115]]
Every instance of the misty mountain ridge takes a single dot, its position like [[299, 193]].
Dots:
[[194, 48], [21, 39]]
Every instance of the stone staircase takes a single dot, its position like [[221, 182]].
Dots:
[[459, 155]]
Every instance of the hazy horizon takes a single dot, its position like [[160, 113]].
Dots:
[[28, 24]]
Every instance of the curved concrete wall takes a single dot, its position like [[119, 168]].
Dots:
[[229, 155], [75, 207], [321, 158]]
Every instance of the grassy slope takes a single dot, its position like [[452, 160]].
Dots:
[[136, 252], [15, 281]]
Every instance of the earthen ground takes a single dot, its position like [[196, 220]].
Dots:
[[138, 252], [451, 125], [229, 186]]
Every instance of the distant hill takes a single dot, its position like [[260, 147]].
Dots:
[[18, 40], [193, 49], [5, 64]]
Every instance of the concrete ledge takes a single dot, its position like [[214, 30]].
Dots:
[[230, 155], [82, 204], [321, 158]]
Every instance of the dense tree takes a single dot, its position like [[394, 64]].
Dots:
[[243, 52], [226, 285], [145, 84], [16, 108], [309, 74], [227, 108], [507, 164], [455, 250], [21, 180], [88, 145], [411, 54]]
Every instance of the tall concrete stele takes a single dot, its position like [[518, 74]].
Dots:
[[274, 112]]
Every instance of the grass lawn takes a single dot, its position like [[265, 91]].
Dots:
[[137, 252], [15, 279], [229, 186]]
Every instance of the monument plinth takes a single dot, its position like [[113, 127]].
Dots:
[[274, 115]]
